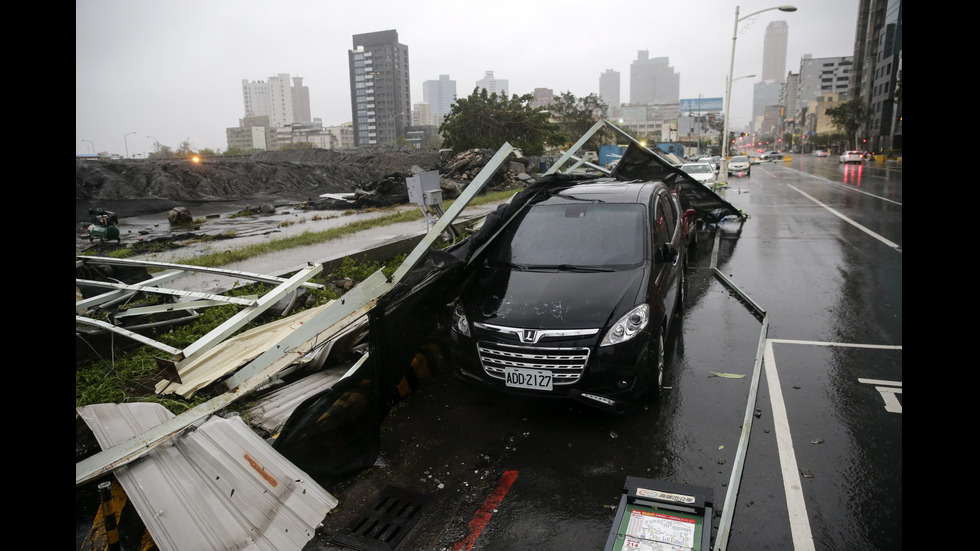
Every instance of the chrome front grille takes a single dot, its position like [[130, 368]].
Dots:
[[565, 364]]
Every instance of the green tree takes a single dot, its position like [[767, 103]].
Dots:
[[487, 121], [160, 151], [849, 117], [577, 115], [185, 148]]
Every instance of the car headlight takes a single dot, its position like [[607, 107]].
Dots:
[[627, 326], [460, 324]]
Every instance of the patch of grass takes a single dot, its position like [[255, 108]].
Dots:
[[307, 238], [131, 375]]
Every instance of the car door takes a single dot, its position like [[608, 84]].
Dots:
[[667, 261]]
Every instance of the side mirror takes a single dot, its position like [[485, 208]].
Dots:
[[666, 254]]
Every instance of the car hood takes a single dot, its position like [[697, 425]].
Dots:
[[552, 299]]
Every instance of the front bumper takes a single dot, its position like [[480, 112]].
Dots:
[[609, 377]]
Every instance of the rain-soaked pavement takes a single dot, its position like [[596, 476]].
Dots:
[[821, 255]]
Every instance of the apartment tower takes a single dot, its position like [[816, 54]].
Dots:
[[379, 88], [653, 80], [774, 52], [440, 95]]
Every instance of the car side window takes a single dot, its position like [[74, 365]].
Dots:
[[661, 228], [668, 208]]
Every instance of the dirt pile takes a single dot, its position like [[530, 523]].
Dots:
[[297, 174], [376, 175]]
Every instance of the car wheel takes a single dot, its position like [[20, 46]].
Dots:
[[657, 367]]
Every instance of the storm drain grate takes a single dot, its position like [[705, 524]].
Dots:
[[385, 523]]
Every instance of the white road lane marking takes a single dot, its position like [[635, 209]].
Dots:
[[891, 244], [799, 522], [795, 504]]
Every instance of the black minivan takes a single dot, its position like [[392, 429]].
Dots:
[[575, 295]]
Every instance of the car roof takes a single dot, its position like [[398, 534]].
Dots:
[[607, 191]]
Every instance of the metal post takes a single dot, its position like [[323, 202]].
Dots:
[[109, 516], [723, 171]]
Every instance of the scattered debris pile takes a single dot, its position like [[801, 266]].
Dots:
[[455, 173]]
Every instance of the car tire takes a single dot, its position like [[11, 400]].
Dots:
[[657, 367]]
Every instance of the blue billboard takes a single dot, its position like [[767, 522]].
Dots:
[[701, 105]]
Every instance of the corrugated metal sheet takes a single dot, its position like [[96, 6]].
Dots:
[[270, 413], [233, 353], [217, 486]]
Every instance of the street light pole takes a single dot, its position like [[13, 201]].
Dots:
[[126, 135], [92, 144], [723, 172], [156, 144]]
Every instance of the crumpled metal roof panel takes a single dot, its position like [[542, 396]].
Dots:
[[215, 486]]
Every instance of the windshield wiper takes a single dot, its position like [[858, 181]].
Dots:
[[568, 268], [502, 264]]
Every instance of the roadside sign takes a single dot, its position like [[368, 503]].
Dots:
[[656, 514]]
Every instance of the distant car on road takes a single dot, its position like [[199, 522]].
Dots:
[[715, 163], [739, 164], [702, 172], [851, 157], [820, 153]]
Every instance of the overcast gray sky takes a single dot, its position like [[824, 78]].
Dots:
[[172, 70]]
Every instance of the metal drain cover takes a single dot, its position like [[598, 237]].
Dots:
[[385, 523]]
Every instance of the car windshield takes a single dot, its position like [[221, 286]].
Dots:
[[574, 236], [697, 169], [739, 159]]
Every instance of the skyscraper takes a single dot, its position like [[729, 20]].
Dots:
[[877, 73], [440, 95], [379, 88], [653, 80], [774, 52], [301, 101], [609, 91]]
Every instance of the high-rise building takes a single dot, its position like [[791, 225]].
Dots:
[[379, 88], [653, 80], [877, 73], [609, 91], [774, 52], [276, 99], [764, 94], [542, 97], [422, 115], [825, 75], [440, 95], [301, 101], [789, 99], [498, 86]]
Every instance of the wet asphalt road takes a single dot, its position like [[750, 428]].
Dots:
[[821, 255]]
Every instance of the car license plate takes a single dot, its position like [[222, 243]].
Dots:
[[536, 379]]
